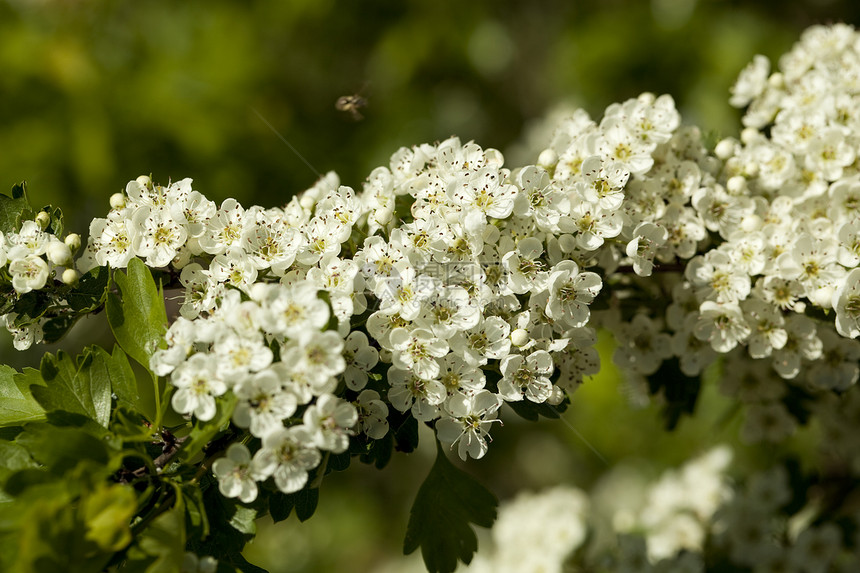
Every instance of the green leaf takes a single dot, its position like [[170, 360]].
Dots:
[[123, 382], [85, 389], [161, 546], [447, 502], [62, 448], [55, 328], [14, 457], [680, 391], [90, 291], [15, 208], [30, 306], [107, 512], [138, 319], [196, 521], [203, 432], [17, 405]]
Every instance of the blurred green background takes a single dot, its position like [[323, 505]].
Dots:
[[93, 94]]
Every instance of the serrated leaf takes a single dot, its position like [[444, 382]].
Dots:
[[447, 503], [84, 389], [14, 208], [123, 382], [90, 291], [17, 404], [138, 319]]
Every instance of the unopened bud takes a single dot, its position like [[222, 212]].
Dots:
[[519, 337], [70, 276], [117, 201], [749, 135], [145, 180], [548, 159], [736, 185], [73, 241], [725, 149], [58, 252], [43, 219]]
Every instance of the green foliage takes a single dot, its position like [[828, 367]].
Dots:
[[447, 503], [681, 392], [14, 208], [80, 388], [137, 317], [17, 404]]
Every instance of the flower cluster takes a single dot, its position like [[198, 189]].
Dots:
[[690, 518], [29, 259], [451, 284]]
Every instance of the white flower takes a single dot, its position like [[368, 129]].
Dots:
[[526, 377], [330, 421], [234, 267], [766, 322], [158, 237], [409, 392], [484, 194], [372, 414], [641, 346], [417, 350], [570, 292], [360, 358], [723, 325], [846, 303], [448, 310], [647, 239], [225, 229], [287, 455], [489, 339], [28, 273], [524, 267], [234, 474], [603, 183], [292, 311], [318, 354], [466, 420], [262, 403], [198, 380], [751, 82], [458, 376], [236, 355]]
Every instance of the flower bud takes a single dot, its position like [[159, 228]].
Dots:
[[145, 181], [736, 185], [749, 135], [117, 201], [725, 149], [70, 276], [58, 252], [73, 241], [43, 219], [547, 159], [519, 337]]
